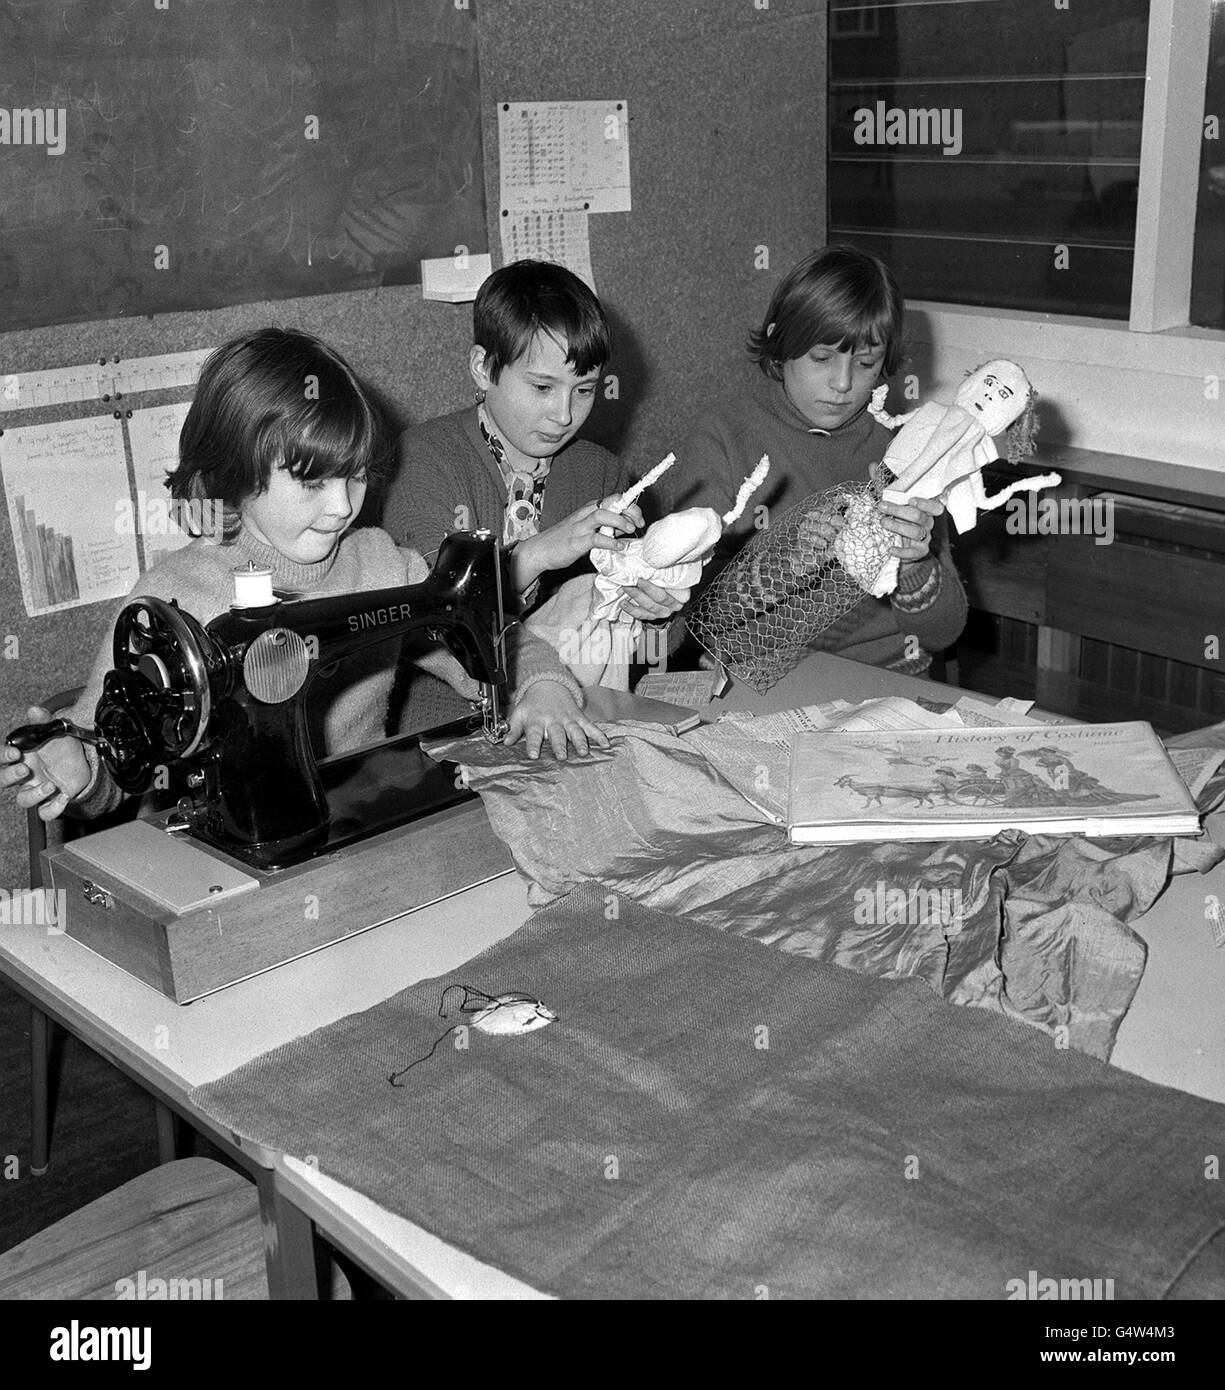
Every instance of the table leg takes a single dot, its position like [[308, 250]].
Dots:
[[40, 1113], [167, 1137], [289, 1242]]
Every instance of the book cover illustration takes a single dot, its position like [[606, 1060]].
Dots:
[[1058, 778]]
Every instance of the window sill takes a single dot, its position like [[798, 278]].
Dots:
[[1101, 385], [1196, 352]]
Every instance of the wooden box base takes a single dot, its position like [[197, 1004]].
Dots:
[[291, 913]]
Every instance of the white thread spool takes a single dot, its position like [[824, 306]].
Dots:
[[252, 587]]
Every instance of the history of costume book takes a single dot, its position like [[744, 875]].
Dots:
[[1094, 780]]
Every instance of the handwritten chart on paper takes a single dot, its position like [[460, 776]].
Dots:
[[564, 156], [154, 436], [66, 484], [549, 236]]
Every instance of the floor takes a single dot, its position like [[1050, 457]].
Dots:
[[104, 1133]]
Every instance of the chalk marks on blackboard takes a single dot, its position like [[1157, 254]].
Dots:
[[285, 148]]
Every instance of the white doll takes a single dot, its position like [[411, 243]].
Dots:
[[941, 451], [672, 551], [598, 650]]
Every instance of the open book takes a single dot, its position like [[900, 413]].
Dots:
[[968, 784]]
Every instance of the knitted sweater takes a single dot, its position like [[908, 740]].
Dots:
[[448, 481], [726, 444], [347, 703]]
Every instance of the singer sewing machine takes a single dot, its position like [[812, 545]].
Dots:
[[274, 853]]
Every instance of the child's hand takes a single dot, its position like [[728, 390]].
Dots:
[[912, 523], [48, 777], [651, 603], [547, 710], [561, 545]]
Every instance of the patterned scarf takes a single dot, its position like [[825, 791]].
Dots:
[[524, 491]]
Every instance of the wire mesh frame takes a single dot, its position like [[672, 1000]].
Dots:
[[792, 582]]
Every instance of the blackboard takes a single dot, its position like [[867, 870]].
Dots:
[[216, 152]]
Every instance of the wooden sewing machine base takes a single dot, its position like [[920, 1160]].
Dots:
[[189, 919]]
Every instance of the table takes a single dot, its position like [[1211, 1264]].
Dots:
[[1174, 1033]]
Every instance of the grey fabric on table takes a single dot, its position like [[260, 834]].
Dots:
[[654, 1141], [690, 825]]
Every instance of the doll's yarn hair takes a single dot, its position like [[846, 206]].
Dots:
[[1020, 436]]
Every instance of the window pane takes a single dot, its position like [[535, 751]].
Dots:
[[990, 149], [1208, 268]]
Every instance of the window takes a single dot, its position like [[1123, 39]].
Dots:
[[1208, 276], [989, 150]]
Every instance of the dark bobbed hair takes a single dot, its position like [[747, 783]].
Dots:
[[525, 298], [840, 296], [275, 398]]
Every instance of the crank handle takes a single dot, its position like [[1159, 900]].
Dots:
[[31, 736]]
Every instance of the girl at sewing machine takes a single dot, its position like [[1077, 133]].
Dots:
[[831, 334], [282, 433]]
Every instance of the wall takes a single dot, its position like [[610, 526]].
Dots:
[[727, 139]]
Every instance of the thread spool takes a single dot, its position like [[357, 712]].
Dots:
[[253, 587]]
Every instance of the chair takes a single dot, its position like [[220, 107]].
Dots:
[[192, 1224], [40, 1024]]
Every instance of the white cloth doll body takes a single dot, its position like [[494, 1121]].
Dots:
[[670, 555], [941, 451], [598, 646], [584, 621]]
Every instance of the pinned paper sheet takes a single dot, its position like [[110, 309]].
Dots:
[[160, 520], [158, 373], [66, 485], [549, 236], [99, 381], [564, 156], [27, 390], [454, 279]]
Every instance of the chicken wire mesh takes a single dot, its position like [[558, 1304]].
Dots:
[[792, 581]]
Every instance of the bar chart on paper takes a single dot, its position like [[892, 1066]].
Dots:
[[67, 486], [48, 558]]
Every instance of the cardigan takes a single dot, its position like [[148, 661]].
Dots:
[[447, 480]]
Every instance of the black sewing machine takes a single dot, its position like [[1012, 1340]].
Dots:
[[229, 700]]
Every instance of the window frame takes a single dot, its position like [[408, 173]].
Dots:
[[1157, 339]]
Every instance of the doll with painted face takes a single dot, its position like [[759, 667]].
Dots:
[[940, 452]]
